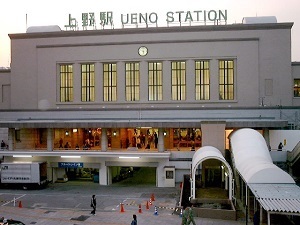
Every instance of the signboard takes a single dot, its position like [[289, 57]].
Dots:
[[70, 165], [92, 20]]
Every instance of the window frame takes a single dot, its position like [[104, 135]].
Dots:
[[178, 80], [155, 81]]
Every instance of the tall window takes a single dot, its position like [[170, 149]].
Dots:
[[202, 80], [109, 82], [87, 82], [178, 81], [132, 81], [226, 79], [296, 87], [155, 81], [66, 83]]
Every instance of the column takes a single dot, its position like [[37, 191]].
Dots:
[[266, 135], [98, 82], [190, 80], [49, 139], [77, 82], [213, 134], [11, 139], [214, 80], [104, 140], [143, 81], [121, 82], [161, 143], [103, 174], [167, 85]]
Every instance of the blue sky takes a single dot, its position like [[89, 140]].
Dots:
[[13, 14]]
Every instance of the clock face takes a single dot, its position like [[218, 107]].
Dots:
[[143, 51]]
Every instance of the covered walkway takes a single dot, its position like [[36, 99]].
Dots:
[[209, 152], [273, 188]]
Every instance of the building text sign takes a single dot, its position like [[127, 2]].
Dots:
[[92, 20]]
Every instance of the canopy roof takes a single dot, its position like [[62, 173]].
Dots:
[[253, 160], [278, 198], [209, 152]]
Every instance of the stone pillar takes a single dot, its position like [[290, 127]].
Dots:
[[77, 82], [103, 174], [161, 143], [104, 140], [213, 134], [11, 139], [49, 139], [266, 135]]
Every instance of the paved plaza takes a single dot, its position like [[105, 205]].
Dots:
[[69, 204]]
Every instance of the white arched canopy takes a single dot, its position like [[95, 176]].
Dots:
[[205, 153], [252, 158]]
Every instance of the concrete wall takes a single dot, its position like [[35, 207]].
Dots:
[[288, 137], [5, 88]]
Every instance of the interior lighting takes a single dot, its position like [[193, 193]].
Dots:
[[129, 157], [71, 156], [22, 156], [75, 130]]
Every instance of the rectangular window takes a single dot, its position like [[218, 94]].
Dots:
[[155, 81], [132, 71], [178, 71], [202, 80], [226, 79], [109, 82], [87, 82], [66, 83], [169, 174], [296, 87]]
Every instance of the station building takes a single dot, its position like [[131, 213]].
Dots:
[[145, 97]]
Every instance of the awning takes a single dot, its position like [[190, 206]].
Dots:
[[278, 198]]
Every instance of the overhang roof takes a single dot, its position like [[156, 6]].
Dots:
[[168, 117], [278, 198]]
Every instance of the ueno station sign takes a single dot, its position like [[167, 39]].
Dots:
[[91, 19]]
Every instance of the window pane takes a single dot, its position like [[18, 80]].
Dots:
[[202, 80], [226, 79], [87, 83], [132, 80], [109, 82], [178, 80], [296, 87], [154, 81], [66, 83]]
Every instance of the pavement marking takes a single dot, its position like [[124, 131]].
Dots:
[[14, 200]]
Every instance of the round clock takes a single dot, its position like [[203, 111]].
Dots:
[[143, 50]]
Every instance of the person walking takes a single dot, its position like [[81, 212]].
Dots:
[[185, 215], [256, 219], [191, 216], [134, 221], [93, 205]]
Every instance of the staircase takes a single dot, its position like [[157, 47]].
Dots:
[[294, 155]]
